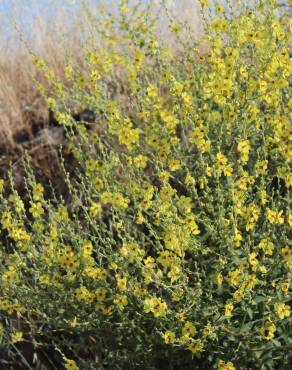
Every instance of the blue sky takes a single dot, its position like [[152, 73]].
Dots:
[[23, 12]]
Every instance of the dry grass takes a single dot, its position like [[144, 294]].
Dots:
[[54, 32], [20, 103]]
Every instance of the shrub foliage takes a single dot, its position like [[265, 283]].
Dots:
[[171, 247]]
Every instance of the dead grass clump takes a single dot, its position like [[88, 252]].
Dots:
[[57, 31]]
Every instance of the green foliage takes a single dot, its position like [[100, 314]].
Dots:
[[172, 249]]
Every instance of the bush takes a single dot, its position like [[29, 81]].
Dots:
[[171, 249]]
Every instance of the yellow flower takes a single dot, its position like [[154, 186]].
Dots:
[[38, 191], [219, 279], [185, 203], [222, 165], [10, 277], [174, 273], [174, 164], [68, 72], [121, 301], [262, 86], [263, 269], [68, 260], [188, 329], [221, 160], [64, 119], [219, 8], [287, 255], [252, 259], [70, 365], [251, 281], [95, 209], [98, 184], [285, 287], [228, 309], [238, 294], [226, 365], [1, 185], [16, 337], [124, 9], [19, 234], [156, 306], [74, 322], [237, 237], [187, 99], [62, 214], [101, 273], [106, 310], [204, 3], [140, 161], [129, 137], [180, 316], [169, 337], [267, 246], [290, 219], [235, 276], [100, 294], [149, 262], [227, 170], [208, 330], [122, 283], [190, 221], [83, 294], [138, 290], [132, 252], [275, 217], [268, 330], [164, 176], [244, 181], [243, 148], [94, 76], [139, 217], [282, 310], [119, 201], [170, 121], [196, 346], [36, 209], [261, 167], [152, 91], [87, 248]]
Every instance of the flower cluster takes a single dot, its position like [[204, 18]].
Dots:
[[174, 246]]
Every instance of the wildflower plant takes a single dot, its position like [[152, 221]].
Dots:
[[173, 250]]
